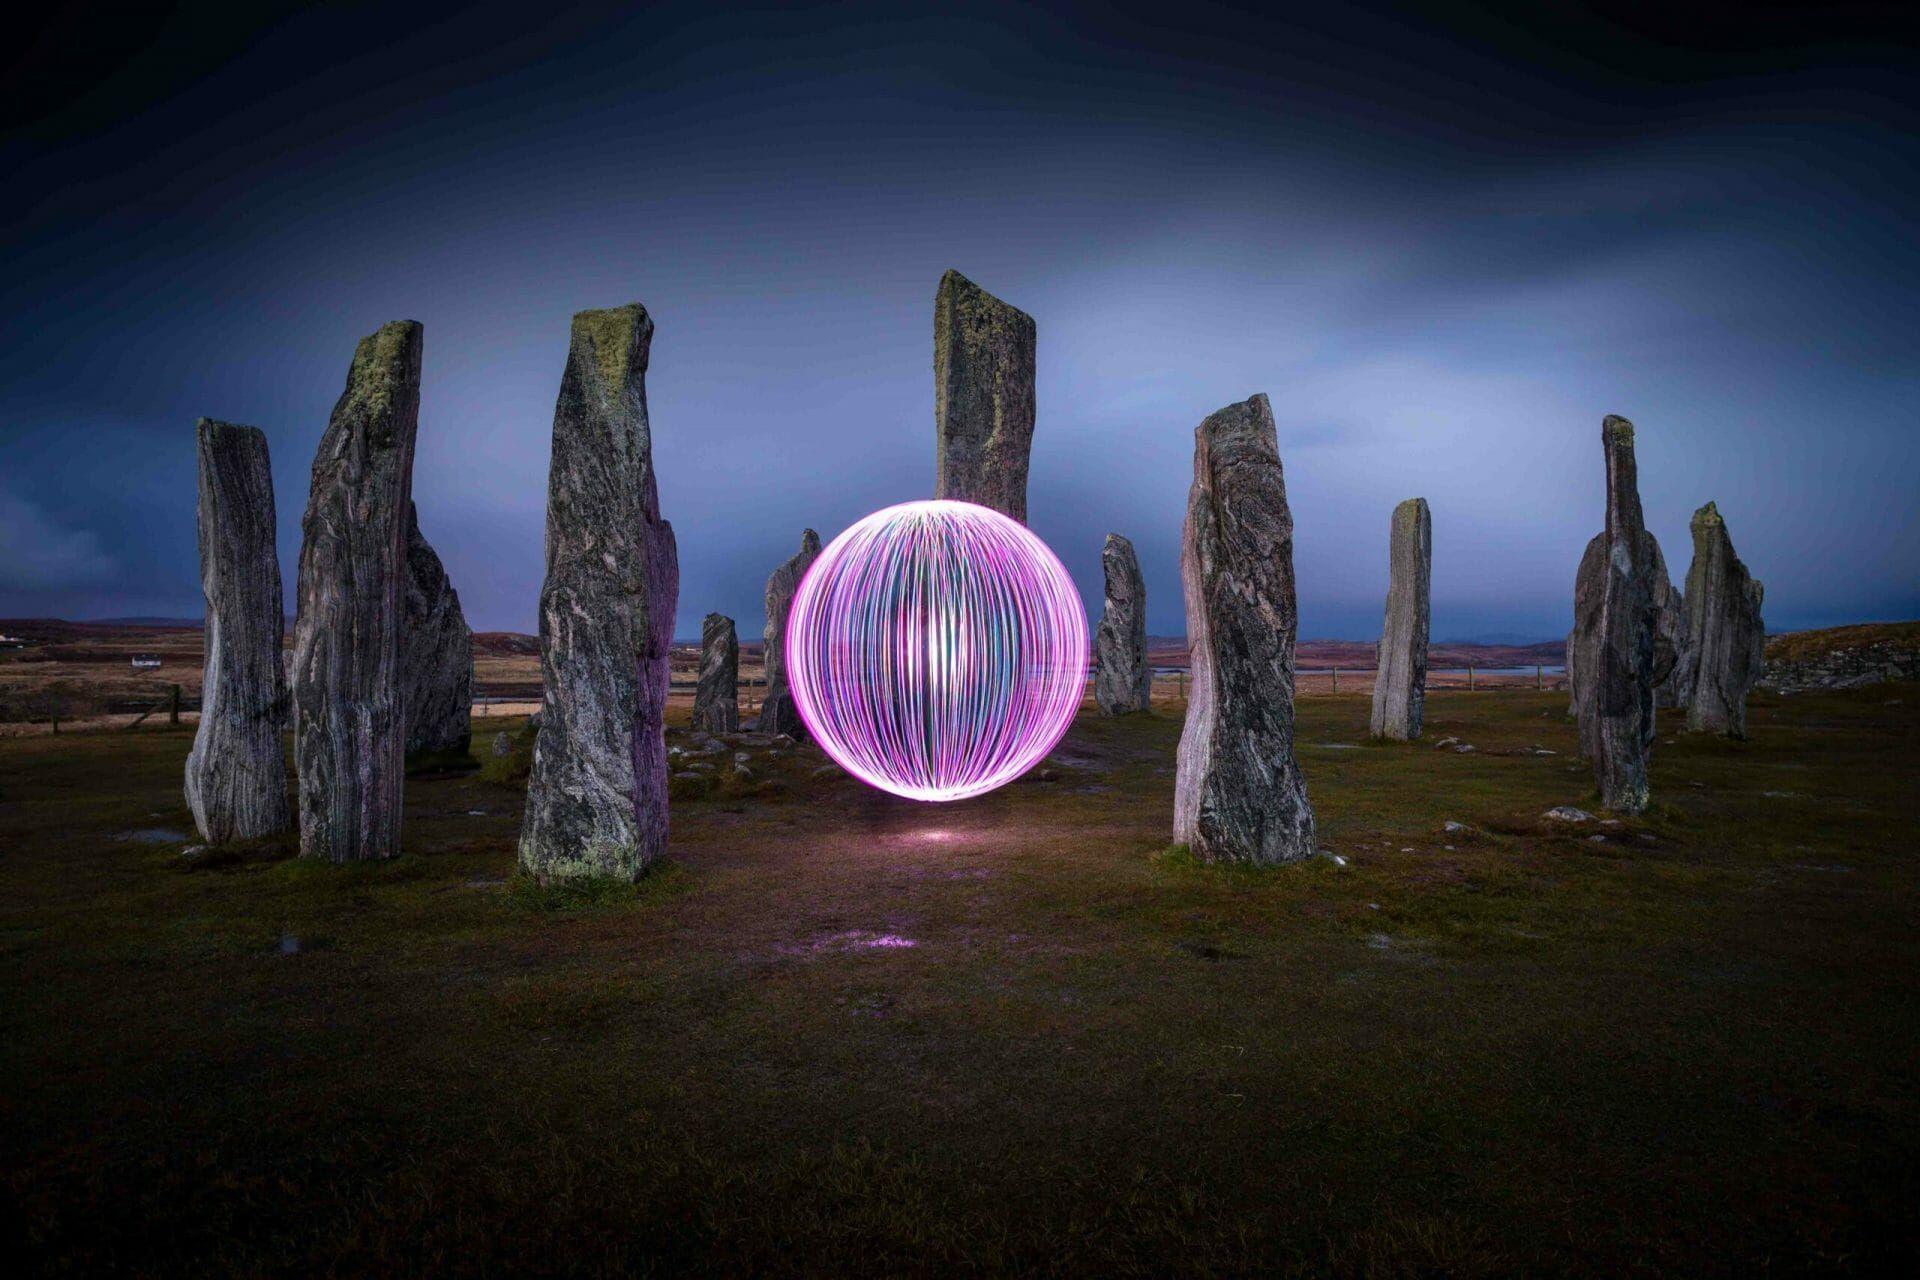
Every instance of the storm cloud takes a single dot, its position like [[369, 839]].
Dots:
[[1444, 250]]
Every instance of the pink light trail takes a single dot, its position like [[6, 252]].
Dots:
[[937, 650]]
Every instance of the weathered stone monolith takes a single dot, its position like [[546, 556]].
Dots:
[[1400, 683], [597, 794], [1669, 624], [237, 770], [777, 712], [1726, 638], [716, 699], [983, 380], [1124, 681], [436, 659], [349, 716], [1239, 795], [1623, 656]]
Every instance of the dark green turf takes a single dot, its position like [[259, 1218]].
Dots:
[[1687, 1048]]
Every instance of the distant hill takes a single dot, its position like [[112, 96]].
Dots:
[[1325, 655]]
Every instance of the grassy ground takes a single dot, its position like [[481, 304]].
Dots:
[[843, 1033]]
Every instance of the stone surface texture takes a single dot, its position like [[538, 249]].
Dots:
[[1621, 655], [237, 771], [1239, 795], [1400, 682], [983, 397], [716, 699], [1123, 684], [778, 714], [436, 656], [597, 793], [1726, 638], [349, 719], [1669, 622]]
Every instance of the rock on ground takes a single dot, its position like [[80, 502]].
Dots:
[[1726, 638], [349, 718], [716, 700], [778, 714], [1400, 687], [1621, 655], [597, 793], [236, 777], [1123, 683], [1239, 794], [983, 397], [436, 656]]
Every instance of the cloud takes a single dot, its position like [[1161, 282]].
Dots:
[[36, 552]]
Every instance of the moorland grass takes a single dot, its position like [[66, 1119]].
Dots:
[[844, 1033]]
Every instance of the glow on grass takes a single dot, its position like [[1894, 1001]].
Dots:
[[937, 650]]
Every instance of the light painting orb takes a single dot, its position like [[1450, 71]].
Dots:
[[937, 650]]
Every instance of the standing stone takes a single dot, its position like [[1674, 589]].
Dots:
[[1622, 655], [1669, 624], [1669, 630], [1239, 795], [716, 700], [1726, 639], [778, 714], [983, 370], [436, 658], [597, 794], [237, 770], [1400, 685], [1583, 655], [1124, 682], [349, 716]]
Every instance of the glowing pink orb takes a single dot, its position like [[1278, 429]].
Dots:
[[937, 650]]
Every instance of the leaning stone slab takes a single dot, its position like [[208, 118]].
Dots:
[[1400, 684], [436, 660], [237, 770], [597, 794], [1726, 637], [778, 713], [983, 397], [1124, 683], [716, 699], [1239, 795], [349, 715]]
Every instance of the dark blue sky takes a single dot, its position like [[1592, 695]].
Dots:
[[1444, 244]]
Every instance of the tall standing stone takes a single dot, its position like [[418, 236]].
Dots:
[[1623, 657], [1239, 795], [1669, 624], [1124, 682], [597, 794], [983, 405], [716, 699], [778, 714], [1400, 684], [237, 770], [1726, 638], [436, 658], [349, 716]]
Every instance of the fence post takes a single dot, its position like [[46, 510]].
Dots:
[[173, 712], [1336, 679], [1469, 677], [1536, 677]]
